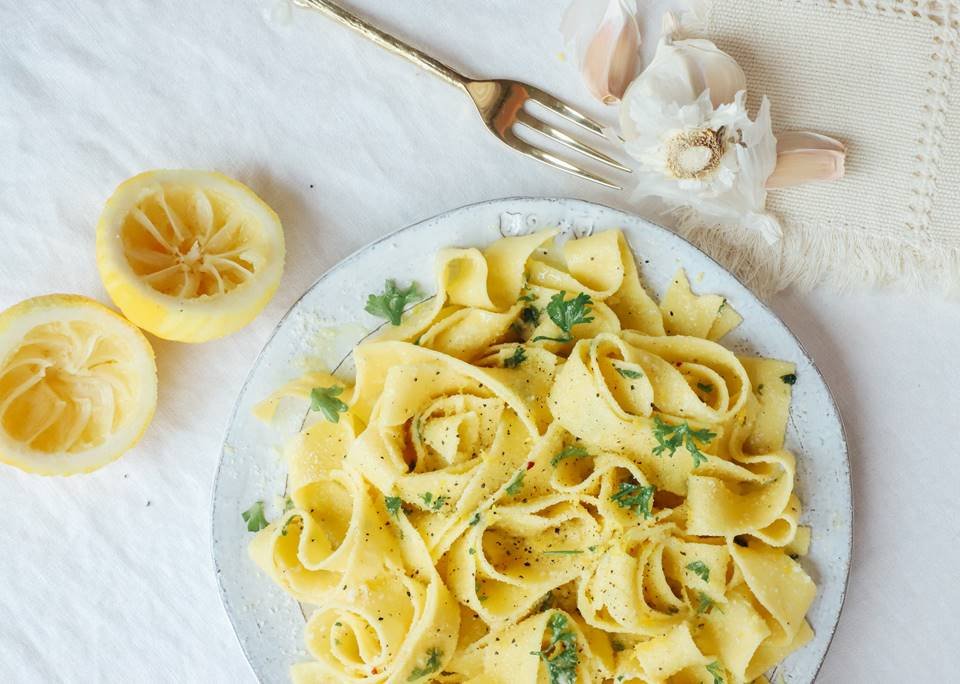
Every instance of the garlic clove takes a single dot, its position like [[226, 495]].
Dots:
[[607, 39], [803, 157]]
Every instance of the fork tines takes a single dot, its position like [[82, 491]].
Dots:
[[564, 110]]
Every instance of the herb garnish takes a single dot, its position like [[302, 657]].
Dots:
[[562, 552], [394, 505], [705, 603], [716, 669], [516, 483], [567, 313], [789, 378], [530, 314], [434, 504], [700, 569], [392, 301], [671, 437], [287, 504], [324, 399], [628, 373], [254, 517], [561, 654], [705, 387], [475, 519], [572, 451], [519, 356], [283, 530], [432, 665], [635, 496]]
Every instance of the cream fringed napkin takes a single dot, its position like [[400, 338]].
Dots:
[[880, 76]]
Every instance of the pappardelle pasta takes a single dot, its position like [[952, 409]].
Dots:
[[541, 475]]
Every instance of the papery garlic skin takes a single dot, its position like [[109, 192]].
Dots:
[[730, 187], [803, 157], [606, 39]]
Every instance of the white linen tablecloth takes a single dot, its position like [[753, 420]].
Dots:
[[107, 577]]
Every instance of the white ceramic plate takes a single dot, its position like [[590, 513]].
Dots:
[[329, 320]]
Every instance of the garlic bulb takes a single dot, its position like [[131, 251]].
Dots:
[[803, 156], [685, 120], [606, 39]]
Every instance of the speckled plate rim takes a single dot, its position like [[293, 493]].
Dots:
[[517, 204]]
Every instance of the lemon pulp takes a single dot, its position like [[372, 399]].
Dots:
[[77, 385], [189, 255]]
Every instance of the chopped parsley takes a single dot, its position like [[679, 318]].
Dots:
[[527, 298], [432, 665], [705, 387], [628, 373], [572, 451], [434, 504], [324, 399], [287, 504], [519, 356], [283, 530], [546, 603], [254, 517], [530, 315], [567, 313], [671, 437], [700, 569], [635, 496], [562, 552], [704, 604], [560, 655], [789, 378], [716, 670], [394, 505], [516, 483], [475, 520], [392, 301]]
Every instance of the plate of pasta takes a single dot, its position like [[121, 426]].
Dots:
[[533, 441]]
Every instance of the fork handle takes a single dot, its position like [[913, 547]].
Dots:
[[386, 41]]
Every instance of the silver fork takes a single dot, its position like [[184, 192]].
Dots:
[[500, 102]]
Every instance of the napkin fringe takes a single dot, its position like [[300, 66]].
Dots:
[[807, 256]]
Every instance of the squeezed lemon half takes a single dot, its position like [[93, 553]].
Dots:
[[189, 255], [78, 385]]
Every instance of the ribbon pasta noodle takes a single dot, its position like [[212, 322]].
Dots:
[[542, 475]]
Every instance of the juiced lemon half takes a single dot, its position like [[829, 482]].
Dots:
[[78, 385], [189, 255]]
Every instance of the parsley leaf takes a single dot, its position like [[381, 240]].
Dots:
[[516, 483], [475, 520], [392, 301], [519, 356], [567, 313], [434, 504], [530, 314], [394, 505], [572, 451], [432, 665], [527, 298], [560, 655], [635, 496], [671, 437], [325, 399], [789, 378], [628, 373], [705, 387], [254, 517], [705, 603], [287, 504], [283, 530], [716, 670], [700, 569]]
